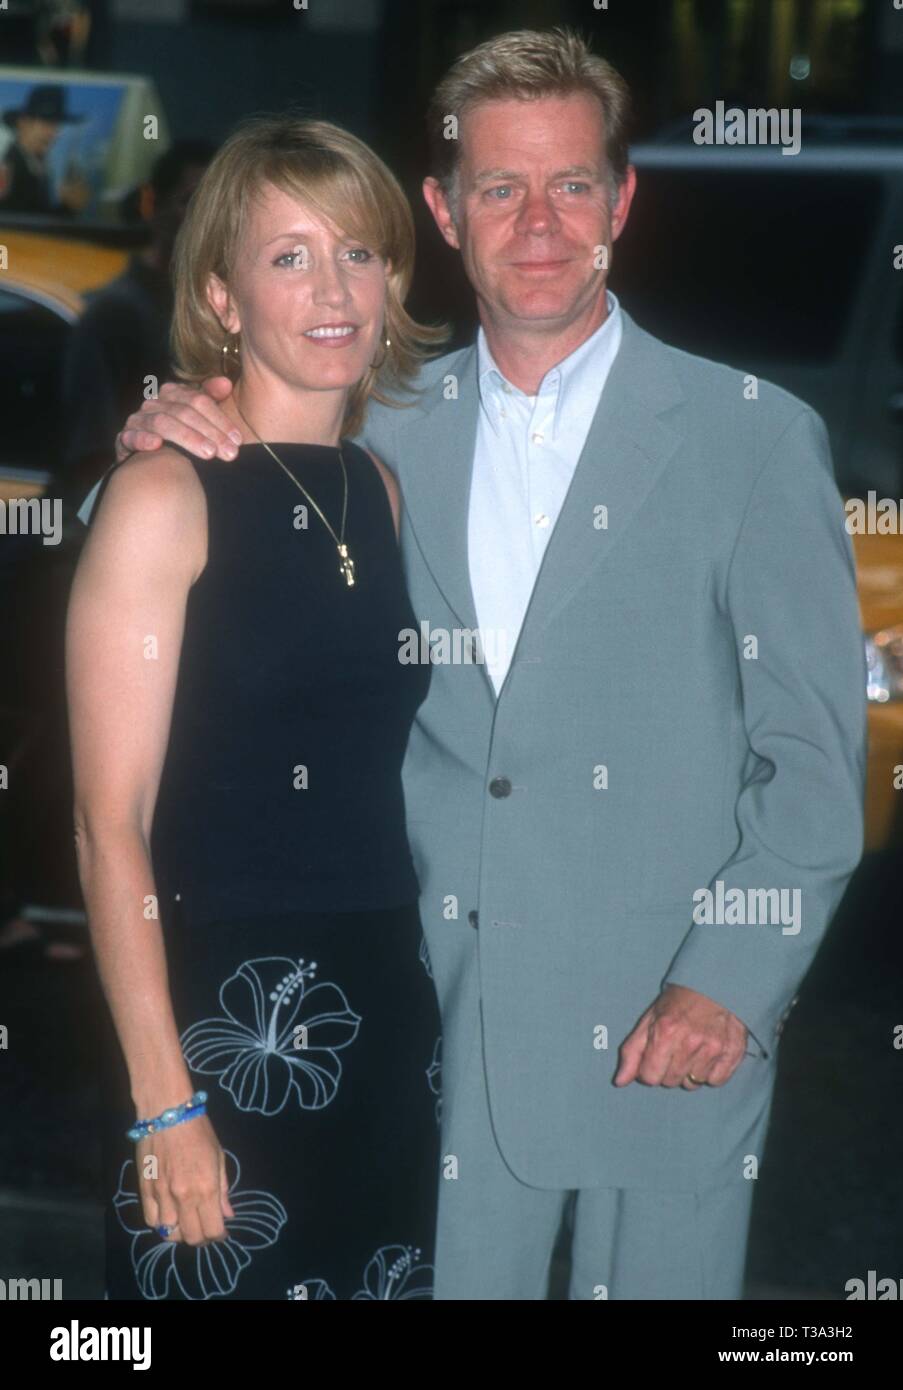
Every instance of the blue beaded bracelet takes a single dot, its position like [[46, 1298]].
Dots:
[[189, 1110]]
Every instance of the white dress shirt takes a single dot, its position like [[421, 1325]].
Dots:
[[526, 451]]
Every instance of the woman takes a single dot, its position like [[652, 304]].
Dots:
[[239, 716]]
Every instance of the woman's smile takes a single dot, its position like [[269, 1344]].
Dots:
[[334, 335]]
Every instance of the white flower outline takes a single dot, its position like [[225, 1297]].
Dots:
[[213, 1269], [256, 1060], [434, 1077], [393, 1273]]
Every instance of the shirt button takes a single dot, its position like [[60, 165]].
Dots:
[[499, 787], [540, 519], [473, 917], [536, 437]]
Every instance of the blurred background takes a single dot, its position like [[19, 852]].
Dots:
[[783, 266]]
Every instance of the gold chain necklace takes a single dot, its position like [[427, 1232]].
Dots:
[[346, 566]]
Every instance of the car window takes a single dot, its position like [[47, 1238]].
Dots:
[[32, 343], [743, 265]]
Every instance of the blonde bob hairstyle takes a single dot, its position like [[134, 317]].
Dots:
[[339, 178]]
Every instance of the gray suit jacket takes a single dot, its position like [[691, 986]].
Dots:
[[725, 758]]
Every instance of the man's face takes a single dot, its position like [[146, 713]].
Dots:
[[36, 135], [533, 209]]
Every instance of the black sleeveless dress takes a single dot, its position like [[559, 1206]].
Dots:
[[287, 896]]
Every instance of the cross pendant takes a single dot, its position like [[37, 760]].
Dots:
[[347, 565]]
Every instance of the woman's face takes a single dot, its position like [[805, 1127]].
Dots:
[[308, 300]]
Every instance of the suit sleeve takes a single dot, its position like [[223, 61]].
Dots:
[[792, 586]]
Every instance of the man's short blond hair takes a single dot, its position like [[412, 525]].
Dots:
[[526, 64]]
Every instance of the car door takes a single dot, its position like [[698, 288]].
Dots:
[[33, 333]]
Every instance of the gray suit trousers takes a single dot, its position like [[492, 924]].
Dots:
[[496, 1234]]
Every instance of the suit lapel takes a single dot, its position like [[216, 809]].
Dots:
[[435, 468], [627, 448]]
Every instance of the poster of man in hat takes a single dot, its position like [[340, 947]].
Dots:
[[25, 181]]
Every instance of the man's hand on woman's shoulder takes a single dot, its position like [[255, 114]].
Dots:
[[186, 415]]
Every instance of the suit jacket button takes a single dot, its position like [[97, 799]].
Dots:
[[473, 917], [499, 787]]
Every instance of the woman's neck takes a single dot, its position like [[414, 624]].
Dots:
[[313, 417]]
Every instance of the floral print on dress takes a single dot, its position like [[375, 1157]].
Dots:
[[166, 1268], [279, 1035], [394, 1272], [434, 1077]]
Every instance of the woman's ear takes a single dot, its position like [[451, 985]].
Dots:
[[222, 304]]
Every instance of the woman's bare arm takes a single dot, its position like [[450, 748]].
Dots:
[[123, 641]]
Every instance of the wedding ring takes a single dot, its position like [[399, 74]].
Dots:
[[695, 1079]]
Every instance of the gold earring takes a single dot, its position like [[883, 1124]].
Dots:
[[231, 358], [387, 343]]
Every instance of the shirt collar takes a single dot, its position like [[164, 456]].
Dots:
[[574, 381]]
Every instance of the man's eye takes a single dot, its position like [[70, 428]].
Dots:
[[503, 188], [573, 187]]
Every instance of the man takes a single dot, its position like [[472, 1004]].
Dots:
[[672, 699], [123, 335], [24, 180]]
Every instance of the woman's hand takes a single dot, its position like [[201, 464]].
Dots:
[[182, 414], [190, 1192]]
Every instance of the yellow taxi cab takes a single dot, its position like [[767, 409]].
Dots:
[[879, 570], [41, 295]]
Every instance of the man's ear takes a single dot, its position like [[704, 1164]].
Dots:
[[621, 209], [221, 302], [437, 203]]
